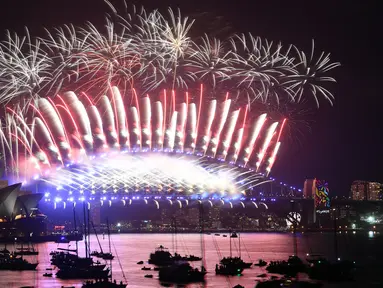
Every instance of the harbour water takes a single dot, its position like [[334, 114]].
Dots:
[[361, 247]]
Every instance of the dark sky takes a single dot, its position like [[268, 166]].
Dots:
[[345, 142]]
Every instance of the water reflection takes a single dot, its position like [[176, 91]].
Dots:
[[131, 248]]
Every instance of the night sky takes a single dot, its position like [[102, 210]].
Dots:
[[345, 140]]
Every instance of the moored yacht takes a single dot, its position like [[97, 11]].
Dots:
[[104, 283], [11, 262], [181, 272], [291, 267], [237, 261], [161, 257], [229, 269]]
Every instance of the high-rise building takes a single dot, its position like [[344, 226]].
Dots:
[[374, 191], [309, 188], [359, 190], [364, 190], [317, 190]]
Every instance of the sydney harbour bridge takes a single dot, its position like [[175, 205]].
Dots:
[[273, 197]]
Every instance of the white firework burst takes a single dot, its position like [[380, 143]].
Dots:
[[23, 74], [311, 73], [152, 52]]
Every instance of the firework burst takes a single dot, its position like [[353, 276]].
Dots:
[[153, 51], [176, 93], [74, 129]]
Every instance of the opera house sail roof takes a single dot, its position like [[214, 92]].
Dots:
[[13, 202]]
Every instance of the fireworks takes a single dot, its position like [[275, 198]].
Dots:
[[175, 95], [71, 129], [150, 173], [150, 52]]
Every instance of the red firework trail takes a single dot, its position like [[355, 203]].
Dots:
[[47, 126], [59, 115], [115, 112], [85, 125], [164, 121], [281, 130]]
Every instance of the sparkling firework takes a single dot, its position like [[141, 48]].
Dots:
[[72, 130], [187, 97], [151, 52], [151, 173]]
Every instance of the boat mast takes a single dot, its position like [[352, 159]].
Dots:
[[119, 262], [75, 226], [88, 210], [107, 224], [172, 220], [202, 235], [98, 240], [175, 234], [110, 249], [85, 233], [239, 244]]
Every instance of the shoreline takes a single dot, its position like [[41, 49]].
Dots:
[[79, 237]]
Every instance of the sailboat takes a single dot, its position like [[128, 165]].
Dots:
[[102, 254], [232, 265], [291, 267], [26, 251], [10, 261], [162, 256], [108, 255], [237, 261], [105, 282], [294, 264], [180, 271], [71, 266]]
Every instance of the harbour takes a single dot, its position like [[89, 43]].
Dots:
[[131, 248]]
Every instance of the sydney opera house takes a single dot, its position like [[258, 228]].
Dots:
[[18, 212]]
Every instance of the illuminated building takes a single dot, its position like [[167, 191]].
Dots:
[[166, 216], [364, 190], [214, 217], [16, 204], [322, 200], [309, 189], [194, 214], [317, 190], [374, 191], [18, 213]]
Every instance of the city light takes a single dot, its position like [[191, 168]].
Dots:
[[371, 219]]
